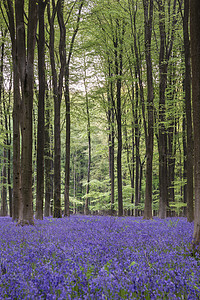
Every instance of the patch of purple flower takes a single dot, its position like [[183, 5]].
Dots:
[[93, 257]]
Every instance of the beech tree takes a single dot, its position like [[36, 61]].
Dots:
[[148, 18], [195, 55], [86, 210], [187, 85], [3, 119], [67, 107], [23, 45], [166, 46], [57, 80], [41, 109]]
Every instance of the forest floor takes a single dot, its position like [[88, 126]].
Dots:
[[97, 257]]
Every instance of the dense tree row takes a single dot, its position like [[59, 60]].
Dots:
[[95, 108]]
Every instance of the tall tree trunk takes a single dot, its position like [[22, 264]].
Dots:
[[118, 44], [190, 145], [57, 94], [89, 148], [4, 209], [171, 163], [171, 137], [166, 46], [133, 161], [57, 168], [112, 162], [131, 164], [67, 145], [67, 103], [74, 178], [16, 142], [6, 162], [23, 81], [26, 78], [148, 15], [16, 116], [138, 75], [184, 165], [195, 54], [137, 148], [40, 129], [3, 115], [162, 136], [48, 158], [9, 141], [111, 138]]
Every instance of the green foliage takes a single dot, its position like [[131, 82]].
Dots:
[[92, 76]]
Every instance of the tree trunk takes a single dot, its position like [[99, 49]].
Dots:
[[195, 54], [184, 164], [74, 178], [67, 145], [111, 138], [67, 103], [16, 144], [133, 164], [9, 140], [57, 150], [25, 65], [4, 210], [148, 15], [57, 94], [190, 145], [162, 136], [119, 150], [48, 159], [40, 129], [138, 76], [118, 43], [137, 150], [89, 149], [2, 100], [111, 156], [112, 163], [171, 137]]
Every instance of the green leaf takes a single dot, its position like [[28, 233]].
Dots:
[[132, 264]]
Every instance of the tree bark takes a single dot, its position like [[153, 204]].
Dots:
[[25, 65], [48, 158], [41, 123], [23, 58], [162, 136], [16, 114], [67, 103], [57, 94], [9, 141], [111, 137], [190, 144], [118, 43], [89, 149], [137, 148], [3, 114], [67, 145], [195, 55], [171, 136], [148, 15], [4, 208], [166, 46]]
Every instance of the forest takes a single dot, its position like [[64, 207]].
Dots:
[[96, 109], [99, 149]]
